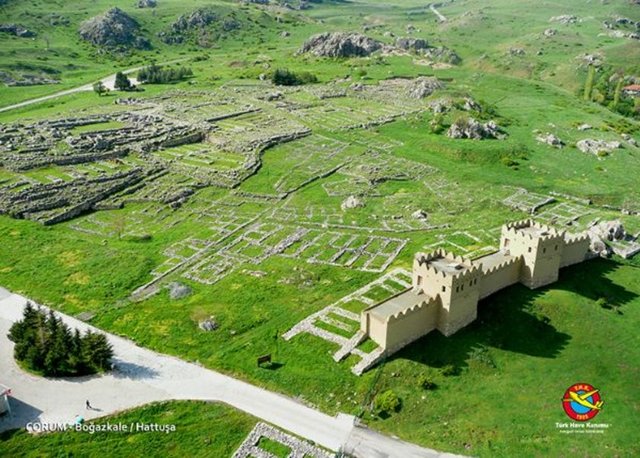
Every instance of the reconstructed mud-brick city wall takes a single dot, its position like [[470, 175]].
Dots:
[[446, 288]]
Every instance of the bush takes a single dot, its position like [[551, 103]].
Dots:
[[449, 370], [385, 403], [425, 382], [46, 345], [285, 77]]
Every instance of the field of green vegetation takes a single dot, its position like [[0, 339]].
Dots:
[[201, 429], [498, 383]]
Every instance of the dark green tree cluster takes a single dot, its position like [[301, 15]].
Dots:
[[285, 77], [122, 83], [605, 87], [46, 345], [155, 74]]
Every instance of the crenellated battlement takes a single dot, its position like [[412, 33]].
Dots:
[[444, 264], [503, 265], [428, 302], [531, 230]]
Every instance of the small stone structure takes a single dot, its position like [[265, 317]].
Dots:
[[446, 288], [299, 448]]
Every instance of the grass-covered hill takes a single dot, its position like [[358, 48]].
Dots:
[[499, 36]]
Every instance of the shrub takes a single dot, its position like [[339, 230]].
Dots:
[[285, 77], [385, 403], [449, 370], [425, 382], [45, 344]]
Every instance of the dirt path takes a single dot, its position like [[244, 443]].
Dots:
[[440, 16], [143, 376]]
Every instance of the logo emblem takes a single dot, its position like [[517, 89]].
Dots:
[[582, 402]]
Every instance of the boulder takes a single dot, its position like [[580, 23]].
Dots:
[[178, 290], [208, 325], [351, 202], [113, 28], [551, 140], [420, 215], [583, 127], [340, 44], [550, 32]]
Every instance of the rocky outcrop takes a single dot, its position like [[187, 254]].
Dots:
[[115, 28], [565, 19], [603, 233], [197, 19], [340, 44], [17, 30], [442, 54], [598, 147], [195, 24], [551, 140], [474, 130], [411, 44], [424, 86], [147, 3]]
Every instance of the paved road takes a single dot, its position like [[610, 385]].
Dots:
[[143, 376], [107, 81]]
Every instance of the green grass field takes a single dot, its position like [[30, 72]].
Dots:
[[201, 429], [512, 365]]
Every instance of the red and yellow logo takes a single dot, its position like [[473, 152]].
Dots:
[[582, 402]]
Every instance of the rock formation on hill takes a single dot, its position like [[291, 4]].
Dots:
[[147, 3], [411, 44], [472, 129], [340, 44], [115, 28], [196, 24], [17, 30], [424, 86]]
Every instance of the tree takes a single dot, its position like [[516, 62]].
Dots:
[[100, 89], [122, 83], [588, 86]]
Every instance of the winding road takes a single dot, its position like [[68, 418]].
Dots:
[[107, 81], [143, 376]]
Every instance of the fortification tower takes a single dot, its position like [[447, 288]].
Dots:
[[540, 247], [454, 281]]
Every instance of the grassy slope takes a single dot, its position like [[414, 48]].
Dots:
[[481, 408], [202, 429]]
